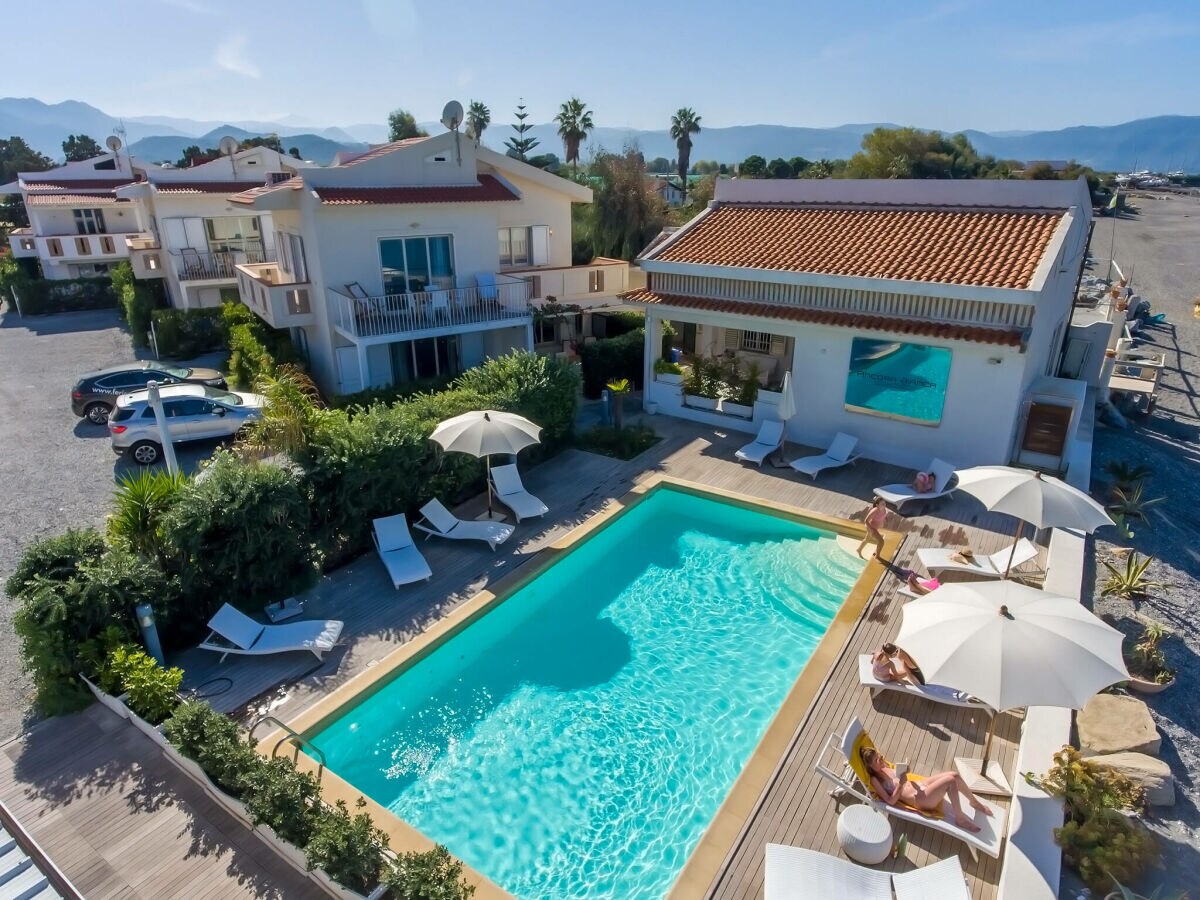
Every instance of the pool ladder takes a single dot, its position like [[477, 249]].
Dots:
[[295, 738]]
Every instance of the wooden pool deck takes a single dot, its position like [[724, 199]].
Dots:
[[794, 808]]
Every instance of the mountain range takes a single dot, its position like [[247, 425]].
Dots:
[[1163, 143]]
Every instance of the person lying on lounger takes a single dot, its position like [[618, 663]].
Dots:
[[890, 663], [925, 794], [920, 585]]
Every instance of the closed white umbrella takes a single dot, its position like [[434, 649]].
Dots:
[[785, 411], [1043, 500], [484, 432], [1011, 646]]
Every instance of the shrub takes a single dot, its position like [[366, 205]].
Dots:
[[256, 349], [349, 848], [542, 389], [239, 535], [137, 300], [278, 794], [611, 358], [69, 590], [153, 690], [433, 875], [621, 322], [141, 500], [1129, 581], [213, 740], [667, 367], [41, 296], [622, 443], [392, 394], [184, 333]]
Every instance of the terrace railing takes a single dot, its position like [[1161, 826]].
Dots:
[[431, 310], [192, 265]]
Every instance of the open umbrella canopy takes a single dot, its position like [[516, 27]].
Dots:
[[1043, 500], [1011, 645], [486, 431]]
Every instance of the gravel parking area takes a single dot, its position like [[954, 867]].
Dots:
[[56, 470], [1158, 244]]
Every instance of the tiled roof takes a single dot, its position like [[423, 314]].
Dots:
[[204, 187], [1007, 337], [382, 150], [35, 185], [294, 183], [983, 247], [489, 188], [73, 200]]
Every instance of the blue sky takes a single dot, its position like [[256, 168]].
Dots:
[[952, 64]]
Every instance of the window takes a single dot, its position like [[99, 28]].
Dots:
[[107, 245], [192, 406], [82, 247], [898, 380], [230, 233], [153, 262], [27, 243], [514, 246], [89, 221], [595, 281], [416, 264], [296, 263], [545, 331], [756, 341], [425, 358], [54, 245]]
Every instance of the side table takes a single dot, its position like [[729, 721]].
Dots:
[[864, 834]]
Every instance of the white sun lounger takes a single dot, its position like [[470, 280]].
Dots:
[[840, 453], [400, 556], [770, 439], [794, 873], [445, 524], [937, 559], [899, 494], [506, 481], [842, 747], [232, 631], [934, 692]]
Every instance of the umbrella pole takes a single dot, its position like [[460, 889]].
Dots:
[[489, 485], [987, 745], [1013, 551], [974, 771]]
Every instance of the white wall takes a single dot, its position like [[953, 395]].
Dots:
[[120, 218]]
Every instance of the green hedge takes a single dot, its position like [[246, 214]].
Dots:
[[41, 296], [185, 333], [256, 349], [137, 301], [620, 322], [612, 358]]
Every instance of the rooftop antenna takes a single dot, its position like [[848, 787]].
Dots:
[[452, 116], [228, 146]]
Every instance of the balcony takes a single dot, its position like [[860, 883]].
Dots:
[[432, 312], [22, 242], [598, 280], [274, 295], [80, 248], [192, 265], [142, 240]]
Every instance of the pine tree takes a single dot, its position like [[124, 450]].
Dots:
[[520, 145]]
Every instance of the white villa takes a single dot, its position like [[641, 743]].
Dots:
[[416, 259], [927, 318]]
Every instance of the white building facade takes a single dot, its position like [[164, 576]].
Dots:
[[927, 318], [417, 259]]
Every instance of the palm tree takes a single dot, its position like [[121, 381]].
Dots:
[[479, 117], [574, 124], [684, 124]]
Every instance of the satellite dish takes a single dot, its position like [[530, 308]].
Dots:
[[452, 115], [113, 143], [228, 145]]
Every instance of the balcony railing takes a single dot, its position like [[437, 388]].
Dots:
[[396, 314], [275, 295], [192, 265], [142, 240]]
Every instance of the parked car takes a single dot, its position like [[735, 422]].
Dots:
[[95, 393], [194, 412]]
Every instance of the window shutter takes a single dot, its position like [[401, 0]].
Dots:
[[733, 339], [539, 241], [193, 227], [535, 286], [778, 345], [176, 236]]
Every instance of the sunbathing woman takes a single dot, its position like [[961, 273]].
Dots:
[[921, 586], [925, 795], [890, 663]]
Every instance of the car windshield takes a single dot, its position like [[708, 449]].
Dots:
[[176, 371], [224, 397]]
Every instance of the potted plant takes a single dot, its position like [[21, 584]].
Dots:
[[1147, 664], [743, 394], [668, 372], [616, 392], [700, 388]]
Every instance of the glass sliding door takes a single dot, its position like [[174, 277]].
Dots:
[[417, 264], [425, 358]]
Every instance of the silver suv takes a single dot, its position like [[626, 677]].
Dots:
[[193, 412]]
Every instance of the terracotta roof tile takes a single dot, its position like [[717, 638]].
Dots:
[[382, 150], [1007, 337], [488, 189], [34, 185], [983, 247], [294, 183], [72, 200], [204, 187]]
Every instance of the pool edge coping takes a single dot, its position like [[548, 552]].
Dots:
[[726, 825]]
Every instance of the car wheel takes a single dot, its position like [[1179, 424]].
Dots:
[[97, 413], [145, 453]]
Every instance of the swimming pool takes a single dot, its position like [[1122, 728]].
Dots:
[[577, 738]]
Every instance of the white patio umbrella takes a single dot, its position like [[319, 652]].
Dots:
[[484, 432], [785, 411], [1011, 646], [1043, 500]]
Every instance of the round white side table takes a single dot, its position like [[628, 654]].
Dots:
[[864, 834]]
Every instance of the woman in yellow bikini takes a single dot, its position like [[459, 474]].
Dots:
[[926, 794]]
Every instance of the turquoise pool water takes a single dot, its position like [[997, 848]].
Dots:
[[577, 739]]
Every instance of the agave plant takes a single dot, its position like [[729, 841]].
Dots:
[[1126, 475], [1129, 505], [1129, 582]]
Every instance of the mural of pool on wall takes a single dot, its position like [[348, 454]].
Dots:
[[898, 380]]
